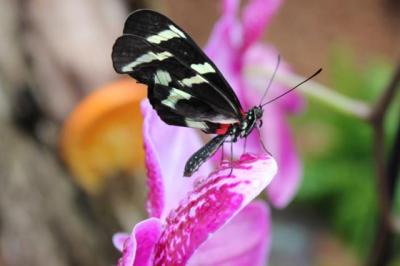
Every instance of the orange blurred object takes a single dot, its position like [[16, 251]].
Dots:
[[103, 135]]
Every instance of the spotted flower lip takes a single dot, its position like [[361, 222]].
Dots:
[[210, 205], [204, 212], [226, 246]]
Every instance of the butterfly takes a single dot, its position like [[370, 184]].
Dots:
[[184, 86]]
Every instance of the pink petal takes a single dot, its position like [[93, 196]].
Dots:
[[128, 248], [278, 139], [259, 62], [212, 203], [147, 234], [166, 150], [128, 253], [276, 132], [119, 240], [137, 248], [284, 186], [226, 49], [225, 42], [230, 7], [255, 19], [244, 240]]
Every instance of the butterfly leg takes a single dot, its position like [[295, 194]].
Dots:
[[222, 153], [262, 143], [231, 159], [202, 155]]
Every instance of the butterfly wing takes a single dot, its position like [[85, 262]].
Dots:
[[185, 87]]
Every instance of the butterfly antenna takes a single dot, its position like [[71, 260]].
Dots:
[[272, 78], [295, 87]]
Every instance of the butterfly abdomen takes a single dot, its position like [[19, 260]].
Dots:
[[202, 155]]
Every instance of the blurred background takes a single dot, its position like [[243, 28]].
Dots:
[[67, 185]]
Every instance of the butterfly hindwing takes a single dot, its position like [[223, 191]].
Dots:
[[177, 107], [178, 96]]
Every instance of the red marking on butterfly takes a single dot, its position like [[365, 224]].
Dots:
[[223, 128]]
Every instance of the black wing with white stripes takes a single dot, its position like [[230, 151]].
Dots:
[[185, 87]]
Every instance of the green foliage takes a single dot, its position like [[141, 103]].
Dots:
[[339, 175]]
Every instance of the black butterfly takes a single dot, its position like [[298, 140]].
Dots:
[[184, 86]]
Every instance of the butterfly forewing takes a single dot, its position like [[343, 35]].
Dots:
[[183, 83], [162, 32]]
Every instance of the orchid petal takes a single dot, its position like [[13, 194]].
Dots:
[[119, 240], [128, 252], [224, 44], [212, 203], [259, 62], [166, 150], [276, 136], [284, 186], [255, 18], [137, 248], [275, 132], [147, 235], [230, 7], [225, 247], [238, 67]]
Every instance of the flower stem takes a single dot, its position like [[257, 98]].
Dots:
[[320, 92], [387, 175]]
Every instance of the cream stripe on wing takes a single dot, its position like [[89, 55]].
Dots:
[[203, 68], [197, 79], [177, 31], [162, 77], [166, 35], [195, 124], [146, 58], [174, 96]]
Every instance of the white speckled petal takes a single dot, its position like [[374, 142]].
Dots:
[[245, 240], [214, 201]]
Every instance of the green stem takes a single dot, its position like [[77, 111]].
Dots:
[[319, 92]]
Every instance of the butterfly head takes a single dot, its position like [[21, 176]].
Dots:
[[250, 121], [258, 114]]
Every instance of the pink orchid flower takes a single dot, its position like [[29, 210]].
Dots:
[[208, 220], [234, 49]]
